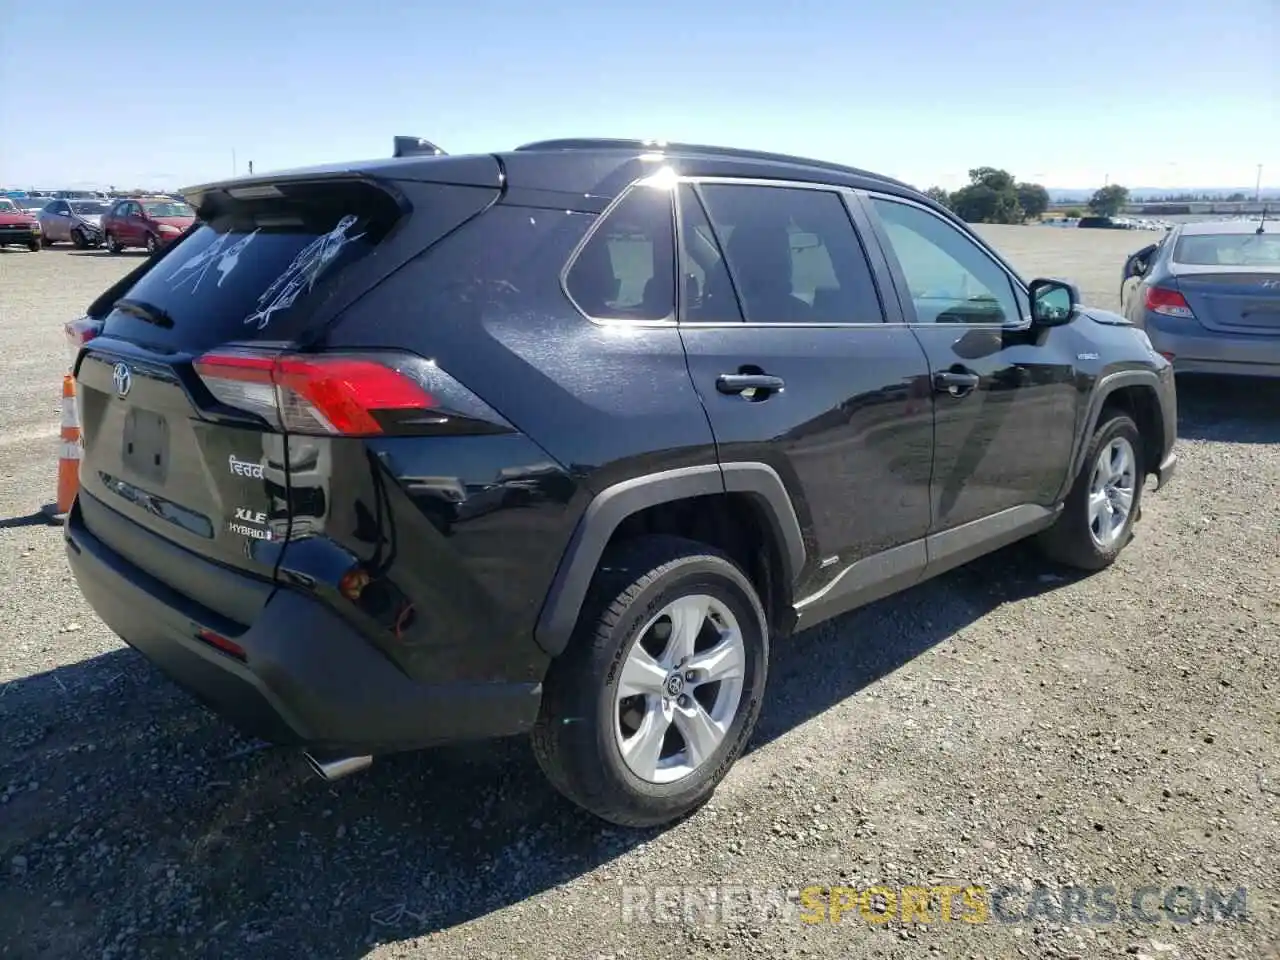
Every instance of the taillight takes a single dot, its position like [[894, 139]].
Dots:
[[345, 394], [79, 332], [1170, 303]]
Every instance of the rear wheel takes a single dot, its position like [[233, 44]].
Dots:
[[45, 241], [660, 688], [1097, 519], [79, 240], [152, 244]]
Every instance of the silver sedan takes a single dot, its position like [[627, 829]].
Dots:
[[76, 221]]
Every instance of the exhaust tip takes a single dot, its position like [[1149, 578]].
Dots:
[[335, 768]]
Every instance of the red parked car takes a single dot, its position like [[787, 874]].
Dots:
[[17, 227], [150, 222]]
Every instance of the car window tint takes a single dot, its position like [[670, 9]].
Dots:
[[950, 278], [707, 295], [793, 254], [626, 270]]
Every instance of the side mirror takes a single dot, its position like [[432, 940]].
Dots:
[[1053, 302]]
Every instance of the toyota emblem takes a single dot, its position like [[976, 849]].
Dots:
[[122, 379]]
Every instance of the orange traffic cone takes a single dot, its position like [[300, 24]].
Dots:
[[69, 455]]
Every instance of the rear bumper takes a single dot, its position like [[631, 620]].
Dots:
[[1197, 350], [308, 677]]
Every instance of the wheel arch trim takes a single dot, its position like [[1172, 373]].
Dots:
[[1107, 385], [609, 508]]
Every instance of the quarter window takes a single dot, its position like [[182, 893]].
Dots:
[[950, 278], [626, 270], [793, 254]]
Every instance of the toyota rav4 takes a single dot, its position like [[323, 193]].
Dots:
[[561, 440]]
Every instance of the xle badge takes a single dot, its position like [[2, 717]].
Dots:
[[245, 517]]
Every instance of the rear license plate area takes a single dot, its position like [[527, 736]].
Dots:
[[145, 449]]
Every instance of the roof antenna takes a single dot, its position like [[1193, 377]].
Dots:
[[1262, 221]]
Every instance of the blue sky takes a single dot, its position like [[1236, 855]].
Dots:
[[161, 94]]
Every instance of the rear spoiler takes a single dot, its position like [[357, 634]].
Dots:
[[414, 147]]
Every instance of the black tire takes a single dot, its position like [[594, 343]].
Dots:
[[34, 246], [1070, 540], [574, 738], [113, 245], [153, 245], [79, 240], [45, 241]]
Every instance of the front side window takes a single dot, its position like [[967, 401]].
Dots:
[[950, 278], [793, 254], [626, 269]]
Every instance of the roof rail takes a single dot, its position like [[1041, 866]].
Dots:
[[603, 143], [414, 147]]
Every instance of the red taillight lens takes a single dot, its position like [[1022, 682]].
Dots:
[[1170, 303], [318, 394], [79, 332]]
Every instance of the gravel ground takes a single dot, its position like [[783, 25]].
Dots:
[[1001, 726]]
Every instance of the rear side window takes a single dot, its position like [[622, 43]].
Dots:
[[626, 269], [793, 254], [256, 269]]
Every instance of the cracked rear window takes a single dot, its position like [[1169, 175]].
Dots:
[[256, 269]]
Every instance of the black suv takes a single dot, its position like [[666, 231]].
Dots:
[[560, 440]]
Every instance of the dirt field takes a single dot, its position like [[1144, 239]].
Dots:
[[1003, 726]]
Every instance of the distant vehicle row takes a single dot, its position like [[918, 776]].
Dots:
[[149, 222]]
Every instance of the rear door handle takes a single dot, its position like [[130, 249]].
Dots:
[[955, 383], [742, 382]]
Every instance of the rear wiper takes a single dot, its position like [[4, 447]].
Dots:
[[144, 311]]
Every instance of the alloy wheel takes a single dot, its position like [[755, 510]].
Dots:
[[1112, 486], [680, 688]]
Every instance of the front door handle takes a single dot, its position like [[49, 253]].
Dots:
[[955, 383], [742, 382]]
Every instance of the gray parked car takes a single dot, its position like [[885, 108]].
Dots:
[[1208, 296], [76, 221]]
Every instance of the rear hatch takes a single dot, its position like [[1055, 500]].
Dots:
[[206, 368]]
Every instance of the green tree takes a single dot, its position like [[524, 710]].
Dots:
[[1001, 181], [980, 203], [1110, 200], [1033, 198], [938, 195]]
